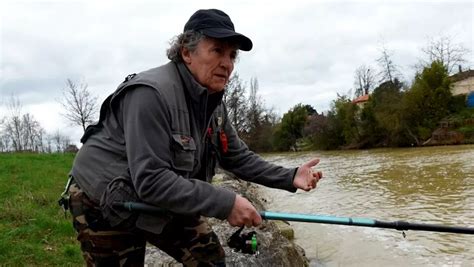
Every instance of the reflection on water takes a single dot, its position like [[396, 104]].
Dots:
[[426, 185]]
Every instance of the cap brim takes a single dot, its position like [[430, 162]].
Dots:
[[244, 42]]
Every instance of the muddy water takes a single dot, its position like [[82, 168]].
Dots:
[[426, 185]]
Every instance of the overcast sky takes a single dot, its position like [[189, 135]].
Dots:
[[303, 52]]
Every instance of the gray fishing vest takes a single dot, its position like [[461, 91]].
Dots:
[[169, 78], [168, 82]]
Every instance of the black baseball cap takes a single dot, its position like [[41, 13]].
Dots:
[[217, 24]]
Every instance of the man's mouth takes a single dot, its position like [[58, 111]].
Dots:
[[221, 76]]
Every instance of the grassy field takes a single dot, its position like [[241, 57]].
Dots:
[[33, 228]]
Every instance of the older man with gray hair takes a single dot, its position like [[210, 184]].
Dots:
[[158, 140]]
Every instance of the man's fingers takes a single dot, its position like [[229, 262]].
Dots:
[[312, 163], [314, 180], [257, 222], [318, 175]]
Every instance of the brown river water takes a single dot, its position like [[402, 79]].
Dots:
[[425, 185]]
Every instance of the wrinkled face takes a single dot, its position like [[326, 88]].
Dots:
[[211, 63]]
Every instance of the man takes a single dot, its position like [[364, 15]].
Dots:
[[158, 139]]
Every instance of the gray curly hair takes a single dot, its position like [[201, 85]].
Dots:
[[188, 39]]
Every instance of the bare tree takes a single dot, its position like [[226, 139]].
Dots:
[[27, 131], [59, 141], [13, 127], [260, 121], [32, 133], [57, 138], [40, 144], [48, 145], [236, 103], [22, 131], [2, 121], [389, 71], [444, 50], [4, 139], [80, 105], [256, 108], [66, 141], [364, 80], [4, 143]]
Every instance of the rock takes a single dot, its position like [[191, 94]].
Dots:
[[285, 229], [274, 245]]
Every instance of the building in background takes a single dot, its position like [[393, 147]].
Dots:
[[360, 101], [462, 82]]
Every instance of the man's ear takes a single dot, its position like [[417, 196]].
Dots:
[[186, 55]]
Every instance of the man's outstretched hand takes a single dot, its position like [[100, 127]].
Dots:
[[305, 178]]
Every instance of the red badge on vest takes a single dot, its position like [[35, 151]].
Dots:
[[223, 139]]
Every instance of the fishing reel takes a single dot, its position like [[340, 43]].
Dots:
[[245, 243]]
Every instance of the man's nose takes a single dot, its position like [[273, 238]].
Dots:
[[227, 62]]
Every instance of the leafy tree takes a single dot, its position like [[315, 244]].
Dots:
[[262, 138], [370, 131], [380, 118], [323, 132], [336, 129], [427, 102], [291, 128], [310, 110], [346, 113]]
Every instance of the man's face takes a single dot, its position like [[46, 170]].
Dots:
[[211, 63]]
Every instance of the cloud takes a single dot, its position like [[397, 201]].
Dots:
[[303, 53]]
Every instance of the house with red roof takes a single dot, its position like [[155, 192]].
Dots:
[[361, 100]]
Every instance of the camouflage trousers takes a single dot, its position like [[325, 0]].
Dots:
[[189, 240]]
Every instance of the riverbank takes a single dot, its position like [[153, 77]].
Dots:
[[274, 248]]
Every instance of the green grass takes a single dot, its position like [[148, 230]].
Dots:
[[33, 228]]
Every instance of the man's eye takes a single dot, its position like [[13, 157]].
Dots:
[[217, 50]]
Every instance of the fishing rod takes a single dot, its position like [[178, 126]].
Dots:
[[365, 222], [311, 218]]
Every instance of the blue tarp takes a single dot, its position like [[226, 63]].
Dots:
[[470, 100]]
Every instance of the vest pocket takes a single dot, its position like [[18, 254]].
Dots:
[[183, 148]]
